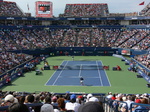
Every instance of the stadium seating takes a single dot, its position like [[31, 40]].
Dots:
[[10, 9], [72, 38], [20, 39], [145, 11], [86, 10], [8, 63]]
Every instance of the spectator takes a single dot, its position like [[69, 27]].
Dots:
[[29, 99], [61, 105], [139, 108], [109, 96], [54, 102], [92, 106], [21, 99], [18, 107], [9, 100], [88, 97], [113, 97], [67, 97], [47, 107], [117, 105], [129, 102], [72, 105]]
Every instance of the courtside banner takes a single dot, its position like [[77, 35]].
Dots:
[[145, 76], [43, 9]]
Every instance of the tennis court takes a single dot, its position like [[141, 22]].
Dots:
[[120, 81], [70, 72]]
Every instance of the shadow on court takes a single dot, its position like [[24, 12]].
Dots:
[[87, 85]]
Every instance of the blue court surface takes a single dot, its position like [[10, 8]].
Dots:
[[71, 77]]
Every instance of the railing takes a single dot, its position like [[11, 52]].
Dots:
[[117, 106]]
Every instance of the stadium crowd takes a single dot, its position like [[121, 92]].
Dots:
[[123, 102], [144, 59], [86, 10], [40, 38], [10, 9], [133, 37], [10, 60], [71, 102]]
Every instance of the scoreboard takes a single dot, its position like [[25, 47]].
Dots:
[[44, 9]]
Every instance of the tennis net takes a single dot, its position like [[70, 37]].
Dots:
[[81, 67]]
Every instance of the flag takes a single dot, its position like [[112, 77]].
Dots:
[[142, 3], [28, 7]]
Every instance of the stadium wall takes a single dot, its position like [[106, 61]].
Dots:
[[133, 52], [76, 51], [123, 22], [46, 24], [79, 51], [61, 26]]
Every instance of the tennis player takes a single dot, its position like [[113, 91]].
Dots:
[[72, 58], [81, 81]]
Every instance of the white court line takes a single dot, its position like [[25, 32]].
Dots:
[[100, 78], [51, 76], [59, 74], [107, 76]]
